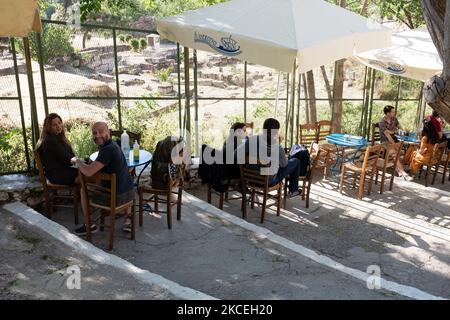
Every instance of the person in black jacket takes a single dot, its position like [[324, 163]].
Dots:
[[56, 151]]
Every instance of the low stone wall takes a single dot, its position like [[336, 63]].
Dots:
[[20, 187]]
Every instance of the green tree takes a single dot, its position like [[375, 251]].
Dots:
[[407, 11], [165, 8], [55, 42]]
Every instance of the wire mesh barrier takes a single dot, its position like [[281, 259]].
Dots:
[[130, 79]]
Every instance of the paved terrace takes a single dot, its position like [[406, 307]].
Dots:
[[318, 253]]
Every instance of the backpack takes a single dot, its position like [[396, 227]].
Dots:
[[162, 166]]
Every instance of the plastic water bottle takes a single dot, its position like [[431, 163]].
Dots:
[[125, 144], [136, 151]]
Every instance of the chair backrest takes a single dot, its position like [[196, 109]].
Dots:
[[314, 161], [40, 167], [95, 187], [371, 156], [438, 151], [308, 133], [252, 177], [133, 136], [375, 137], [323, 130], [392, 154], [249, 128]]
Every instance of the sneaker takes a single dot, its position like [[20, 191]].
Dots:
[[127, 226], [295, 193], [81, 231]]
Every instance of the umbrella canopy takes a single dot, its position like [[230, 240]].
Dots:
[[412, 55], [19, 17], [275, 33]]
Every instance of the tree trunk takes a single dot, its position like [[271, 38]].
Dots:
[[305, 90], [364, 5], [338, 91], [312, 96], [328, 87], [437, 90]]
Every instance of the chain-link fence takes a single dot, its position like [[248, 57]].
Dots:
[[131, 80]]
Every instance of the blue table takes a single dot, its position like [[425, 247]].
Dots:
[[346, 140], [342, 140], [407, 139]]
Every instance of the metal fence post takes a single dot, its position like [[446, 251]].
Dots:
[[19, 94], [179, 89], [41, 69], [116, 67], [34, 116]]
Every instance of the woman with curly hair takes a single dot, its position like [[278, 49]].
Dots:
[[56, 151]]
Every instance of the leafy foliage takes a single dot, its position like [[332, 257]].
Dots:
[[12, 151], [165, 8], [407, 11], [134, 44], [80, 136], [163, 74], [55, 43]]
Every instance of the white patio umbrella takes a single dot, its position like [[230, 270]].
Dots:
[[19, 17], [412, 55], [275, 33], [278, 34]]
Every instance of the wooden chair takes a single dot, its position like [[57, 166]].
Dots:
[[51, 195], [253, 182], [388, 161], [308, 133], [92, 195], [166, 195], [324, 129], [368, 166], [324, 154], [445, 162], [375, 134], [307, 180], [435, 160], [224, 196]]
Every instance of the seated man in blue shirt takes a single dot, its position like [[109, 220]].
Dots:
[[110, 160]]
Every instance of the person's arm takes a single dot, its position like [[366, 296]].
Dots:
[[283, 158], [423, 146], [89, 169]]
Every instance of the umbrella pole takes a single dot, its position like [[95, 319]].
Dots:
[[196, 105], [245, 91], [187, 133], [294, 67], [33, 109], [276, 97]]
